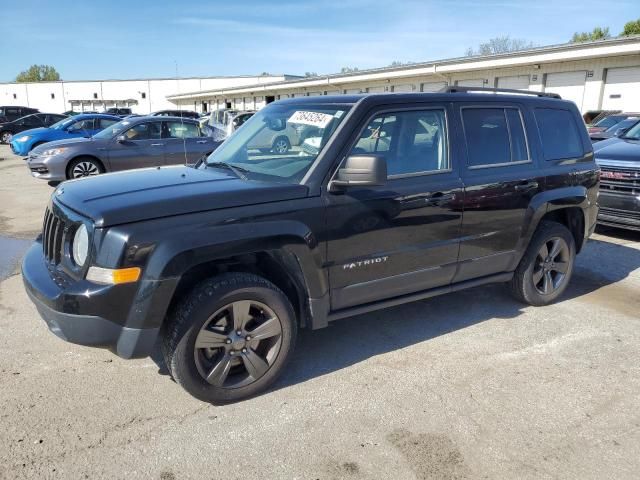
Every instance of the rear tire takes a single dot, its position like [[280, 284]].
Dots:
[[229, 338], [546, 267], [281, 145]]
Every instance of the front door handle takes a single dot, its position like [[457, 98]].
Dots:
[[157, 144], [439, 198], [202, 141], [526, 186]]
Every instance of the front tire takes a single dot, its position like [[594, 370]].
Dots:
[[5, 137], [230, 338], [281, 145], [546, 267], [84, 167]]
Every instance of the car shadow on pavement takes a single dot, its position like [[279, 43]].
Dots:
[[350, 341], [353, 340]]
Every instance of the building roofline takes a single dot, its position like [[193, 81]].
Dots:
[[433, 67], [215, 77]]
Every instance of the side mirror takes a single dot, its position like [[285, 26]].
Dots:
[[362, 171], [121, 139], [621, 131]]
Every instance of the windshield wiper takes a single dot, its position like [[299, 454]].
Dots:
[[239, 171]]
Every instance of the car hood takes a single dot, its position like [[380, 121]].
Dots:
[[144, 194], [65, 142], [618, 149], [34, 131]]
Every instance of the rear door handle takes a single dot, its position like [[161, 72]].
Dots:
[[202, 141], [526, 186], [157, 144]]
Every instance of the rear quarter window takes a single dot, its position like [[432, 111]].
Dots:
[[559, 134]]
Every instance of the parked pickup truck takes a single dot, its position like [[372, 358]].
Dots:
[[403, 197]]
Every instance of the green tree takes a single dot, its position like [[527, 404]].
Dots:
[[348, 69], [398, 63], [631, 28], [504, 44], [310, 74], [597, 33], [38, 73]]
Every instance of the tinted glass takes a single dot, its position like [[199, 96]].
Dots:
[[559, 134], [519, 150], [411, 142], [144, 131], [609, 121], [81, 125], [106, 122], [487, 136], [182, 130]]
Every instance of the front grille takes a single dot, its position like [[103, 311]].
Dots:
[[53, 235], [611, 212], [619, 179]]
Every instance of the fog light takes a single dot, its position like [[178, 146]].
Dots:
[[111, 276]]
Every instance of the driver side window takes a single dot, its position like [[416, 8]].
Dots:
[[144, 131], [81, 125], [411, 142]]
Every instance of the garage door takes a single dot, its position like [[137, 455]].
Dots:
[[622, 90], [516, 82], [314, 94], [472, 82], [405, 87], [237, 103], [433, 86], [569, 85], [248, 103], [352, 91], [334, 92], [375, 90]]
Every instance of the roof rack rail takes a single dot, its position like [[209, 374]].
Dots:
[[455, 89]]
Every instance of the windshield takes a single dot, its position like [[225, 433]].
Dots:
[[113, 130], [62, 123], [280, 142], [633, 133], [609, 121], [623, 124]]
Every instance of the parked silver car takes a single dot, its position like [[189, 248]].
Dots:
[[131, 143]]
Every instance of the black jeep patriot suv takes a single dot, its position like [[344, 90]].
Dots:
[[388, 199]]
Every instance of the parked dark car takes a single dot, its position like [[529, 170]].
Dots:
[[35, 120], [617, 130], [131, 143], [119, 111], [176, 113], [619, 161], [10, 113], [222, 264]]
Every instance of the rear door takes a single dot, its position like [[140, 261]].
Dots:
[[142, 147], [401, 237], [185, 143], [501, 177]]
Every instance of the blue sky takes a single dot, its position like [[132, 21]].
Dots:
[[146, 38]]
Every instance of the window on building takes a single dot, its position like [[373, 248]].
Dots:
[[143, 94], [95, 95], [559, 134], [53, 96], [411, 142], [15, 96], [494, 136]]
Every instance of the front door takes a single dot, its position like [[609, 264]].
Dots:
[[401, 237], [185, 144], [501, 177], [142, 146]]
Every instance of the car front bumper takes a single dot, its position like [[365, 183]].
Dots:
[[47, 167], [60, 304], [619, 210]]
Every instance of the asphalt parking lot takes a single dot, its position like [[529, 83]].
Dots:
[[465, 386]]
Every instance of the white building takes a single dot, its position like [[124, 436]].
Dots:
[[143, 96], [595, 75]]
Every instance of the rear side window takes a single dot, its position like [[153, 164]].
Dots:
[[559, 134], [494, 136], [182, 130]]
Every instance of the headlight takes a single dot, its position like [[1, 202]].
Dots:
[[23, 138], [53, 151], [80, 246]]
